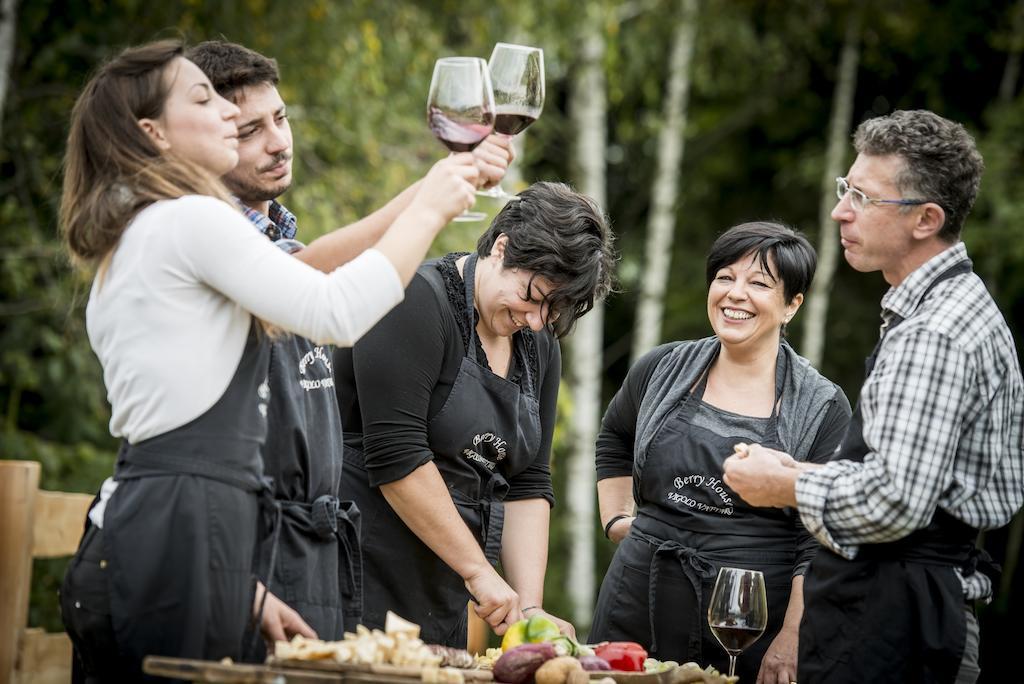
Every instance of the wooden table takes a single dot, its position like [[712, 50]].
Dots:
[[311, 672]]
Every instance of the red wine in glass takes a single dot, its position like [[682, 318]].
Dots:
[[517, 73], [459, 136], [460, 108], [735, 639], [512, 122], [738, 610]]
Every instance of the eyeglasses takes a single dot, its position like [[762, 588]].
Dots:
[[858, 200]]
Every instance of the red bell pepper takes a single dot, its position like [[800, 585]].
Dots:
[[625, 656]]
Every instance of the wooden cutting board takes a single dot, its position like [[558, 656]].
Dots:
[[279, 671], [382, 670], [224, 673]]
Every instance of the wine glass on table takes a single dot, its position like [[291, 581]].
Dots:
[[738, 612], [517, 74], [460, 108]]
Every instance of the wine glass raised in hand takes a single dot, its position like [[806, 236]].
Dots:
[[738, 612], [460, 108], [517, 74]]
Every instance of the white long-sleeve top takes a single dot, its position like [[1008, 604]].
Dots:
[[169, 317]]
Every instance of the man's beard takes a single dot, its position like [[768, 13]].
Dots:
[[250, 193]]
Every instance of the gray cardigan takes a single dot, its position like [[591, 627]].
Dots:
[[806, 395]]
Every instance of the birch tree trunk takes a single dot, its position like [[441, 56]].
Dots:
[[8, 22], [588, 104], [661, 224], [828, 239], [1011, 73]]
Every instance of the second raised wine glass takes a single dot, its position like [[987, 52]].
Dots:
[[517, 74], [738, 613], [460, 108]]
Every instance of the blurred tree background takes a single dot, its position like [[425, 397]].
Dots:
[[355, 77]]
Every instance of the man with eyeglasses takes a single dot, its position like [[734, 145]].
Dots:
[[934, 451]]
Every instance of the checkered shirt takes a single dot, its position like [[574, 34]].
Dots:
[[277, 224], [943, 415]]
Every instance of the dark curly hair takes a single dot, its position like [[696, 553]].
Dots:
[[561, 235], [941, 162]]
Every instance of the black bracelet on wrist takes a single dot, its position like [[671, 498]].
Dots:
[[531, 608], [608, 527]]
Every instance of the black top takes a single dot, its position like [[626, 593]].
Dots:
[[412, 358]]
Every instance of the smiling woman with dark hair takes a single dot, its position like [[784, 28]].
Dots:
[[452, 400], [661, 448]]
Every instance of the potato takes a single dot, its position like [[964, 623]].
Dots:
[[556, 670]]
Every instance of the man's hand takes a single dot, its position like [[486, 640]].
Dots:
[[448, 188], [564, 626], [493, 157], [762, 477], [779, 663], [496, 602], [279, 622]]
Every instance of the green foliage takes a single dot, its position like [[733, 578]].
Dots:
[[355, 76]]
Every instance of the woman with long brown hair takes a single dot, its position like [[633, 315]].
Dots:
[[178, 315]]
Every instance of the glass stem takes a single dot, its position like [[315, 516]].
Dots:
[[732, 665]]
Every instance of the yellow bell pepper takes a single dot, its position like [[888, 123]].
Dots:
[[535, 630]]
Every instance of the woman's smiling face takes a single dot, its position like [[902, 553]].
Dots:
[[747, 305], [510, 299]]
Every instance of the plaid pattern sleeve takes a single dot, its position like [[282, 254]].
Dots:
[[943, 412], [912, 430]]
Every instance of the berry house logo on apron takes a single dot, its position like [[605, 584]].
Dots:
[[311, 357], [712, 484], [496, 444], [263, 392]]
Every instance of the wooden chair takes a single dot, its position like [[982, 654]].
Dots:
[[33, 524]]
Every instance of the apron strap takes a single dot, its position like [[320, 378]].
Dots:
[[771, 431], [469, 282], [330, 518], [348, 537], [147, 459], [696, 568], [324, 516], [271, 507], [492, 518], [959, 268]]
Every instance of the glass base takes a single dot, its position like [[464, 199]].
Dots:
[[497, 193], [470, 216]]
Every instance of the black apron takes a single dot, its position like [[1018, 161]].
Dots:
[[689, 524], [896, 612], [170, 572], [317, 570], [488, 431]]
